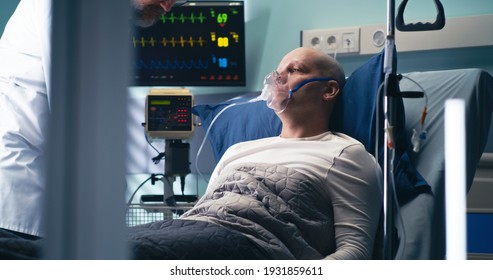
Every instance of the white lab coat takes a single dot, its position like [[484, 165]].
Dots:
[[24, 112]]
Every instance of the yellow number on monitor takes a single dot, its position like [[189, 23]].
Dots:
[[223, 42]]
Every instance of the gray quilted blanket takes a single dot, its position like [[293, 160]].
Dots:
[[253, 211], [276, 207]]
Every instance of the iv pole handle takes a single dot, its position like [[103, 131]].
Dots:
[[420, 26]]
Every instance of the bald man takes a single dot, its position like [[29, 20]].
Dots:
[[332, 209]]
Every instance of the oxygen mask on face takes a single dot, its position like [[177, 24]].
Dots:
[[275, 93]]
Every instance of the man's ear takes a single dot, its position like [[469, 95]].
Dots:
[[331, 90]]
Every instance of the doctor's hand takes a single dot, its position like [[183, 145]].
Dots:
[[147, 12]]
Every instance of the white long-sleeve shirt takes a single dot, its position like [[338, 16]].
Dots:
[[351, 174], [24, 111]]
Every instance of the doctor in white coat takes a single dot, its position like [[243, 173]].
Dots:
[[24, 110]]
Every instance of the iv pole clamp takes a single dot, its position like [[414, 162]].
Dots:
[[391, 89]]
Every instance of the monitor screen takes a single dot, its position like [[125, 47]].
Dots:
[[196, 44]]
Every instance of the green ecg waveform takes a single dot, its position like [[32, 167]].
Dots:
[[182, 18]]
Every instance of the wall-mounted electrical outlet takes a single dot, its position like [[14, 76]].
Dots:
[[349, 42], [370, 39], [332, 41]]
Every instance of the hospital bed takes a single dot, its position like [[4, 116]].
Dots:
[[420, 217], [423, 217]]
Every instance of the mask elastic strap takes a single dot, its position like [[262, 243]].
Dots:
[[297, 87]]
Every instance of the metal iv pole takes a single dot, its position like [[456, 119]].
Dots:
[[389, 113], [390, 110]]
